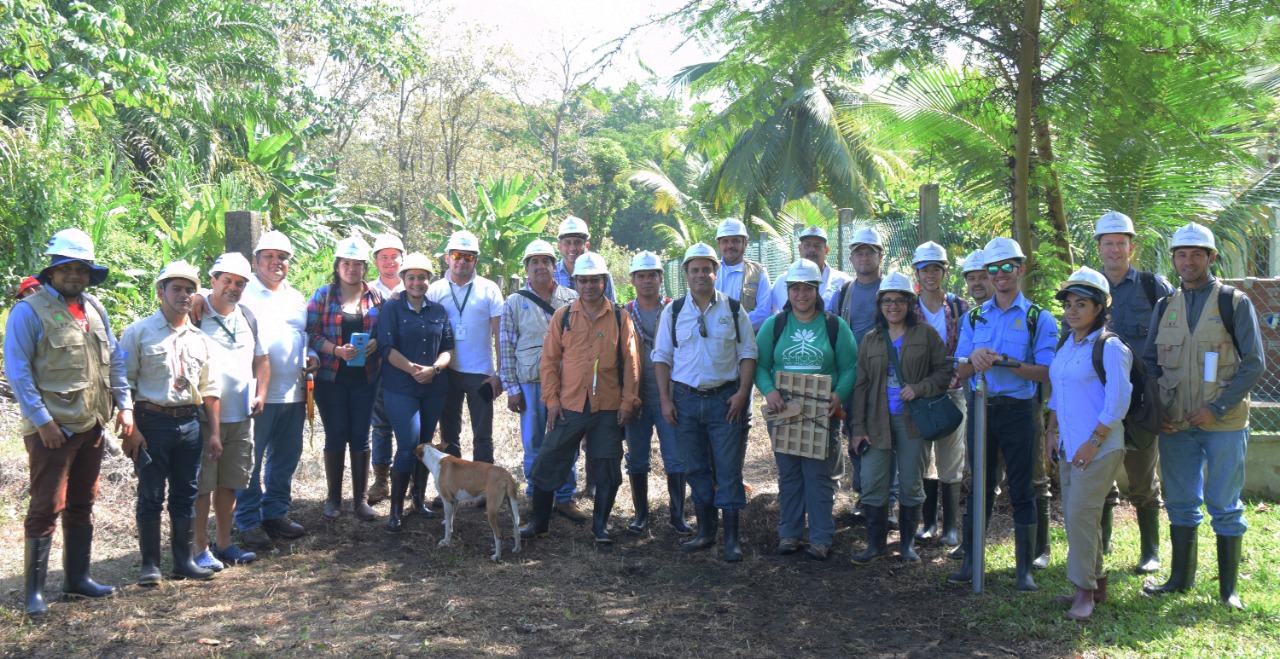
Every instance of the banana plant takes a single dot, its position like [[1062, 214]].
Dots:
[[509, 214]]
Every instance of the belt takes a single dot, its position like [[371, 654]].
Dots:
[[710, 391], [178, 411], [1001, 401]]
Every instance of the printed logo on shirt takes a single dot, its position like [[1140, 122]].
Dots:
[[803, 356]]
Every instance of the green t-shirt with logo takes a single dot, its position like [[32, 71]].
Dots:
[[805, 348]]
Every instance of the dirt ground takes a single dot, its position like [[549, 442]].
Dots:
[[351, 589]]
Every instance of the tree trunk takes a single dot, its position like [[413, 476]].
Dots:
[[1053, 192], [1028, 69]]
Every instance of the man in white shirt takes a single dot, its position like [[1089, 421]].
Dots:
[[740, 278], [813, 246], [474, 305], [388, 255], [704, 358]]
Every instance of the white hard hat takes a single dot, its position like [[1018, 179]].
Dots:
[[71, 243], [463, 241], [232, 263], [804, 271], [1001, 249], [1114, 222], [975, 261], [387, 241], [179, 270], [1087, 282], [416, 261], [700, 251], [354, 248], [867, 236], [731, 227], [646, 261], [590, 264], [274, 240], [573, 226], [814, 232], [930, 252], [896, 281], [1194, 235], [538, 247]]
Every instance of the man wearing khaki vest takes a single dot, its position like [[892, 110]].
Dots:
[[1206, 350]]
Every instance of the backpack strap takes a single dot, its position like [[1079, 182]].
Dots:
[[533, 297], [735, 307], [1098, 347], [844, 289], [1227, 310], [617, 318], [1033, 323], [833, 329], [102, 311], [975, 314], [253, 321], [779, 325], [953, 301], [676, 306], [1148, 281]]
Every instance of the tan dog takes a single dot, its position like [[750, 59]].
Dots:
[[461, 480]]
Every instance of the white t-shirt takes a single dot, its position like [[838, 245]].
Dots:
[[470, 308], [938, 320], [235, 359], [282, 326], [377, 285]]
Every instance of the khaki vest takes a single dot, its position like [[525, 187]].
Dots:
[[72, 367], [1180, 353], [751, 274], [531, 322]]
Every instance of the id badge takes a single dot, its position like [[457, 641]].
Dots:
[[460, 332]]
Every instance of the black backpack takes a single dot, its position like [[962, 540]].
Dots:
[[1144, 403]]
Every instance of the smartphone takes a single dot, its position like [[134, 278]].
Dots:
[[359, 340]]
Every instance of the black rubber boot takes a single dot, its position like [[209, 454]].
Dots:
[[950, 515], [707, 518], [909, 517], [149, 544], [77, 545], [877, 533], [965, 573], [399, 486], [640, 500], [540, 515], [929, 512], [1108, 520], [1024, 554], [181, 535], [675, 491], [1229, 549], [334, 463], [360, 487], [602, 502], [1182, 570], [1149, 531], [732, 542], [1042, 551], [36, 563], [419, 492]]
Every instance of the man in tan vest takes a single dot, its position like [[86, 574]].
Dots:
[[67, 373], [1206, 350]]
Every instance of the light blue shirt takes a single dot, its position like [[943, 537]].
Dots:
[[729, 282], [563, 278], [832, 281], [1082, 400], [1006, 333]]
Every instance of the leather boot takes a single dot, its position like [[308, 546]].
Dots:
[[381, 487], [602, 502], [1024, 547], [419, 493], [399, 486], [929, 512], [36, 562], [334, 463], [1108, 520], [965, 573], [706, 538], [540, 515], [1042, 552], [1081, 605], [950, 515], [1149, 541], [675, 491], [877, 533], [360, 486], [149, 544], [732, 543], [1229, 549], [1182, 570], [640, 501], [77, 545], [909, 518], [181, 535]]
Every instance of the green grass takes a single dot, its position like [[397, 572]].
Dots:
[[1131, 624]]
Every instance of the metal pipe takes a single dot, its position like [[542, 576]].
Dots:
[[979, 494]]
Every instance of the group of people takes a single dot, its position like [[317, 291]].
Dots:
[[208, 395]]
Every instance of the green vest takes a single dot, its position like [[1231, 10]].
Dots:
[[72, 367], [1180, 353]]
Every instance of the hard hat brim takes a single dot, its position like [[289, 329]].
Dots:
[[1087, 292], [97, 273]]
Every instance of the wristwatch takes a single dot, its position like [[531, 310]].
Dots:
[[435, 370], [1093, 441]]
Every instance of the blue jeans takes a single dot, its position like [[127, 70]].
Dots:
[[381, 431], [277, 448], [414, 419], [1011, 432], [703, 433], [1205, 467], [175, 446], [806, 489], [533, 429], [639, 433], [346, 411]]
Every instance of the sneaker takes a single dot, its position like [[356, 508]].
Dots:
[[283, 527], [788, 546], [818, 552], [256, 538], [234, 555], [207, 561]]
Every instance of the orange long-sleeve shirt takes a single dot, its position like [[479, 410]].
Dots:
[[589, 348]]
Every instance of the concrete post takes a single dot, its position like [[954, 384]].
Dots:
[[845, 216], [242, 230], [929, 212]]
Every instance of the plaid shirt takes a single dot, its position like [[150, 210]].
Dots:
[[324, 323]]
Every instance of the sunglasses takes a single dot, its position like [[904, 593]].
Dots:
[[467, 257], [702, 326], [1003, 267], [893, 302]]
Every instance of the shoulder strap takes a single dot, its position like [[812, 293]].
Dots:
[[253, 321], [833, 329], [735, 307], [975, 314], [564, 321], [676, 306], [954, 302], [533, 297], [1227, 310], [844, 289], [1148, 281], [1098, 347], [617, 318], [779, 325], [102, 311], [1033, 324]]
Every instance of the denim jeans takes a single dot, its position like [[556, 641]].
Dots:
[[175, 447], [346, 411], [1205, 467], [533, 429], [277, 448], [806, 489], [703, 434], [639, 435], [414, 419], [1011, 432], [381, 431]]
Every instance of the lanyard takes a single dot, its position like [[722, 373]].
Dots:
[[463, 306], [230, 333]]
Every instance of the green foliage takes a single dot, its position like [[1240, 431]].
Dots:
[[511, 213]]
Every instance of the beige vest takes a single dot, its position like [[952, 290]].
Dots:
[[72, 367], [531, 322], [1180, 353], [751, 274]]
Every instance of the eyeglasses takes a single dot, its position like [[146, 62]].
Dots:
[[702, 325], [467, 257], [894, 302], [1003, 267]]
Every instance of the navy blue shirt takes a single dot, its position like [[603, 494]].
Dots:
[[420, 336], [1131, 310]]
